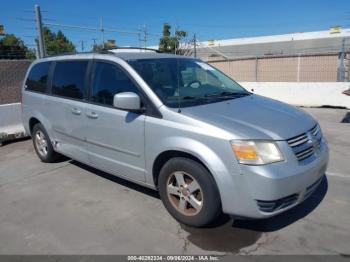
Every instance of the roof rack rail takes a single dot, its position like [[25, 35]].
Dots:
[[104, 51], [131, 47]]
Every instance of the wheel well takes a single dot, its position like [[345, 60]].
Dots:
[[166, 156], [32, 122]]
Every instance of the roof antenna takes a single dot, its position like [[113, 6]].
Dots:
[[178, 86]]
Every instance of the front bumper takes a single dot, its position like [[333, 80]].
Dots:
[[265, 191]]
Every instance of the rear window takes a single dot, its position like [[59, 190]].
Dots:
[[69, 79], [37, 77]]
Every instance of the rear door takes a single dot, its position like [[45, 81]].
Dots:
[[67, 107], [116, 137]]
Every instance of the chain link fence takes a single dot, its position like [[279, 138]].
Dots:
[[296, 68], [12, 73]]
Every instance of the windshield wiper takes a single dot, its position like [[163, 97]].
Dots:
[[226, 94], [193, 98]]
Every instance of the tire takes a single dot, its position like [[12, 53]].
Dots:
[[42, 144], [196, 202]]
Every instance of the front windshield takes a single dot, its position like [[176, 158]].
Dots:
[[180, 82]]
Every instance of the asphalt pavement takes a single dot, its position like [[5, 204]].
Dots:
[[69, 208]]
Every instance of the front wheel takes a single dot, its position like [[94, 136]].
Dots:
[[42, 144], [189, 192]]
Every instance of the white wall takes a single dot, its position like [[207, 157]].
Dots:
[[303, 93], [11, 122]]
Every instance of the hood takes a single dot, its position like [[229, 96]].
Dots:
[[254, 117]]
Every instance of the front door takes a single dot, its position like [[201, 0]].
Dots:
[[115, 137]]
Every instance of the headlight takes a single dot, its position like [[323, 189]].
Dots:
[[256, 152]]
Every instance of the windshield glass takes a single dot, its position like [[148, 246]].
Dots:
[[180, 82]]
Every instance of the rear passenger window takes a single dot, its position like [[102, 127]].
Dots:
[[109, 80], [37, 77], [69, 79]]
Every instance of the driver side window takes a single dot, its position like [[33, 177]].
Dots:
[[109, 80]]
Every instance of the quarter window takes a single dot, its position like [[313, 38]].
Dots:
[[37, 77], [109, 80], [69, 79]]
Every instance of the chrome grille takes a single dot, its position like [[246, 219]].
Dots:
[[304, 145]]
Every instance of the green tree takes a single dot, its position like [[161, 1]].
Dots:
[[97, 48], [31, 54], [12, 47], [107, 45], [57, 43], [169, 43]]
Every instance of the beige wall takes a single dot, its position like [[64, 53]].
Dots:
[[240, 70], [322, 68], [316, 68]]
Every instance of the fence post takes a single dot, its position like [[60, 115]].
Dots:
[[229, 68], [256, 69], [348, 56], [341, 66], [298, 69]]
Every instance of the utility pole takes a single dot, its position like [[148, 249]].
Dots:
[[175, 39], [39, 27], [145, 35], [37, 53], [144, 30], [102, 32], [82, 45], [195, 45], [94, 44]]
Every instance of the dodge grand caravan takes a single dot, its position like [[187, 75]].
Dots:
[[177, 125]]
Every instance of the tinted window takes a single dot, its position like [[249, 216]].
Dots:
[[108, 81], [69, 79], [37, 77]]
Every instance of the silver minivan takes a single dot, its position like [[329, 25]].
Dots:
[[177, 125]]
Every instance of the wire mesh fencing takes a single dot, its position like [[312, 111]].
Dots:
[[298, 68], [12, 73]]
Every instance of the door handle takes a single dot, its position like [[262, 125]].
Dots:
[[76, 111], [92, 115]]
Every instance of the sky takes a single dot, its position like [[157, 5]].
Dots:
[[208, 19]]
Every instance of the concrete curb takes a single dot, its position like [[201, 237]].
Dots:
[[11, 126]]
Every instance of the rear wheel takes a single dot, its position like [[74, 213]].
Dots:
[[189, 192], [42, 144]]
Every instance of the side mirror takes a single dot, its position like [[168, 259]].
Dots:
[[127, 101]]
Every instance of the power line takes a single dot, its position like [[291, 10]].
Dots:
[[91, 28]]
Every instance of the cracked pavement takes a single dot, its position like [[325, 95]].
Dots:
[[69, 208]]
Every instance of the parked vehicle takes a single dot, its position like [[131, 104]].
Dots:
[[177, 125]]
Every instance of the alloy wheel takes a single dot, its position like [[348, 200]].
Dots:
[[41, 143], [184, 193]]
